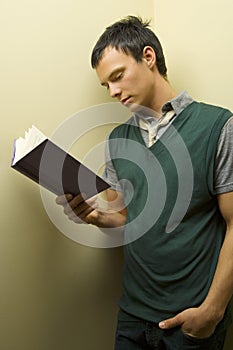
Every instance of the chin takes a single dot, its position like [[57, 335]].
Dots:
[[133, 107]]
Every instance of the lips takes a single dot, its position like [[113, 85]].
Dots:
[[125, 100]]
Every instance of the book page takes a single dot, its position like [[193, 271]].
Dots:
[[22, 146]]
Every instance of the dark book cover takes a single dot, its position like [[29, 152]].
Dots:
[[59, 172]]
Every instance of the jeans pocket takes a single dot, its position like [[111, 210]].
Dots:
[[196, 340]]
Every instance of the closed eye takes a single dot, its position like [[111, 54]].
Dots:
[[117, 77], [114, 77]]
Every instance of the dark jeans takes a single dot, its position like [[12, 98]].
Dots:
[[142, 335]]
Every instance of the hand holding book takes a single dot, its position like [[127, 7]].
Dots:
[[78, 209]]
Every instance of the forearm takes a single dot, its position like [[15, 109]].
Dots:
[[221, 289]]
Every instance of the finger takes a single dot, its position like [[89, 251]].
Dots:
[[171, 322], [77, 200], [82, 209], [86, 213], [77, 220], [83, 217], [79, 205], [73, 203], [73, 217], [62, 200], [76, 207]]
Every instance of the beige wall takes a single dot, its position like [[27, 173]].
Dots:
[[197, 37], [55, 293]]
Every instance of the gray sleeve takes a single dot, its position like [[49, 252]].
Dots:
[[109, 173], [224, 160]]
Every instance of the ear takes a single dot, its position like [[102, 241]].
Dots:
[[149, 56]]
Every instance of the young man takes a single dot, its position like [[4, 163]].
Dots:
[[177, 279]]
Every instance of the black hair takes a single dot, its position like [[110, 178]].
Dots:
[[130, 35]]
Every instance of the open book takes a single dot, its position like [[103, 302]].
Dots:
[[44, 162]]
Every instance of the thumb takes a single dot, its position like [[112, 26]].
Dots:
[[171, 322]]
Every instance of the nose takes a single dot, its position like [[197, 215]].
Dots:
[[114, 90]]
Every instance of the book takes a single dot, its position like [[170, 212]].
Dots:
[[44, 162]]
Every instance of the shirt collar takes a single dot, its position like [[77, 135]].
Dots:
[[178, 104]]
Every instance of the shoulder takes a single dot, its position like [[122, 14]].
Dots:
[[226, 136], [214, 109], [209, 116], [223, 161]]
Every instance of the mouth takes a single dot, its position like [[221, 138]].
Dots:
[[125, 101]]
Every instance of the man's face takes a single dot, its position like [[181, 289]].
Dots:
[[127, 80]]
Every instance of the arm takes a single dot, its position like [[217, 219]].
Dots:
[[201, 321], [81, 211]]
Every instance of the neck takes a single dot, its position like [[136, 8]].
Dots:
[[163, 93]]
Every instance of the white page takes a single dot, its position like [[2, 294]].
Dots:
[[33, 138]]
